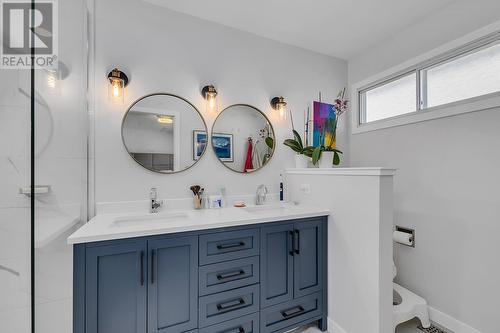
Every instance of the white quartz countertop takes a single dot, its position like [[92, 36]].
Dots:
[[120, 226]]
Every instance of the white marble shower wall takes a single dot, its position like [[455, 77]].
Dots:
[[61, 162], [14, 208]]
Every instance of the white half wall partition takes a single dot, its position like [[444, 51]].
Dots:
[[359, 242]]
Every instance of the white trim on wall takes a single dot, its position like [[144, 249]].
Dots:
[[448, 322], [90, 40], [479, 103], [333, 327]]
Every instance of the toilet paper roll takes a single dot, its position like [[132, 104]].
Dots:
[[403, 238]]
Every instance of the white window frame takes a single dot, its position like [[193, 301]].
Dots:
[[447, 53]]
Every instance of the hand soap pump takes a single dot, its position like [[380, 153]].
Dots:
[[222, 192], [281, 188]]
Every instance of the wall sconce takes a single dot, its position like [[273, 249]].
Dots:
[[279, 104], [53, 78], [118, 81], [210, 95]]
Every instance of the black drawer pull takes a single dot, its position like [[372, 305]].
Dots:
[[153, 266], [223, 276], [142, 268], [292, 243], [297, 249], [230, 304], [235, 330], [230, 245], [292, 312]]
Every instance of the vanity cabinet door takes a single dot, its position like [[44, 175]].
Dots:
[[309, 256], [115, 288], [276, 264], [173, 284]]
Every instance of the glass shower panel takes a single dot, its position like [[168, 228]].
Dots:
[[15, 221], [60, 169]]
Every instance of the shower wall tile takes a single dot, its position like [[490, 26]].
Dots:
[[15, 320], [54, 270], [14, 289], [14, 176], [46, 312], [14, 238]]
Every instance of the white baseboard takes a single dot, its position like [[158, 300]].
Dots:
[[440, 318], [333, 327], [447, 321]]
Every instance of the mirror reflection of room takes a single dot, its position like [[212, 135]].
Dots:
[[157, 132], [243, 138]]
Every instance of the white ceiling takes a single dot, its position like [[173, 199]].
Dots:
[[340, 28]]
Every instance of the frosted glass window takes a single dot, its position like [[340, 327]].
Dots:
[[469, 76], [391, 99]]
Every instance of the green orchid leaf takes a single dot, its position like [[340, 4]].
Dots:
[[308, 151], [336, 158], [292, 144], [316, 155], [298, 138], [270, 142]]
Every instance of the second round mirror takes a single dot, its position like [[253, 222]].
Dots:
[[243, 138]]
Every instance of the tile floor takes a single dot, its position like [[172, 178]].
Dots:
[[408, 327]]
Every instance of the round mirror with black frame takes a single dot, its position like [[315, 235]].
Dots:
[[164, 133], [243, 138]]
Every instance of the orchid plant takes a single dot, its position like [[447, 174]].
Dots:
[[329, 132], [296, 144]]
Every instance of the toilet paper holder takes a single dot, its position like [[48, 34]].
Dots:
[[407, 231]]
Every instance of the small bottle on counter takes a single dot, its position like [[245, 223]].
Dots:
[[282, 193]]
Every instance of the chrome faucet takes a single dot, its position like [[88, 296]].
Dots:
[[261, 195], [155, 204]]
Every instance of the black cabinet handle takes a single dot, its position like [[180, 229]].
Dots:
[[142, 268], [235, 330], [153, 266], [297, 248], [230, 245], [292, 243], [230, 304], [292, 312], [228, 275]]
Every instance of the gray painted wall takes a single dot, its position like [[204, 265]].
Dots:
[[448, 181], [164, 51]]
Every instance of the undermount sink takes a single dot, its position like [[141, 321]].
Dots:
[[267, 208], [148, 218]]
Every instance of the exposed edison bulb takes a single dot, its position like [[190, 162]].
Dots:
[[211, 102], [116, 89], [282, 111]]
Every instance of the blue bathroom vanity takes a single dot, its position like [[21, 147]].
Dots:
[[249, 277]]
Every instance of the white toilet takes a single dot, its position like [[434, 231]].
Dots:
[[408, 305]]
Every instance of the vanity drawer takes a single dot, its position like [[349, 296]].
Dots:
[[290, 313], [228, 305], [228, 275], [245, 324], [230, 245]]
